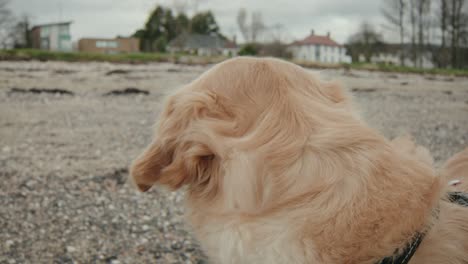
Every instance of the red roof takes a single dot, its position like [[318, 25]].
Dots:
[[230, 45], [316, 40]]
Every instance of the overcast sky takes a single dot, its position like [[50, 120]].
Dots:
[[109, 18]]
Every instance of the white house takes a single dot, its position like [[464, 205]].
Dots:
[[53, 36], [390, 54], [322, 49]]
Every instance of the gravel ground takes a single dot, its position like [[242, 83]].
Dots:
[[64, 157]]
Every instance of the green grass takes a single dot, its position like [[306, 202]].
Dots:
[[406, 69], [31, 54]]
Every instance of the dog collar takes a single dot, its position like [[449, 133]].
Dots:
[[406, 255], [459, 198]]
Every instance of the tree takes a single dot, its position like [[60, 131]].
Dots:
[[443, 20], [182, 23], [413, 21], [423, 9], [277, 33], [204, 23], [160, 28], [458, 29], [7, 21], [249, 50], [154, 29], [242, 23], [257, 26], [394, 12], [251, 32], [365, 42], [441, 55], [169, 25], [22, 33]]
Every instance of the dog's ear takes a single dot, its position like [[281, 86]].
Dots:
[[146, 169], [181, 153], [187, 163]]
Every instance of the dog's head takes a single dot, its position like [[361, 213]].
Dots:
[[236, 121]]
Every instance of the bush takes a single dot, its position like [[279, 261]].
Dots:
[[248, 50]]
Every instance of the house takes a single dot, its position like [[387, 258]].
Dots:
[[53, 36], [203, 45], [390, 54], [321, 49], [109, 46]]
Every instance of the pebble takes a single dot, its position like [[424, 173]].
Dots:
[[9, 243], [71, 249]]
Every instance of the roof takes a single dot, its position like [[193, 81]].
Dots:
[[230, 45], [195, 41], [316, 40], [54, 24]]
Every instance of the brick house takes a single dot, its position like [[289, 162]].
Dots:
[[53, 36], [109, 46]]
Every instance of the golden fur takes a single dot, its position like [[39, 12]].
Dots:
[[280, 169]]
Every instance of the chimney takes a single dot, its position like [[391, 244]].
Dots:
[[328, 34], [312, 32]]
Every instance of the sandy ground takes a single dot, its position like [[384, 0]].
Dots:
[[64, 158]]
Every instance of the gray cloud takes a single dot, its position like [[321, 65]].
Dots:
[[108, 18]]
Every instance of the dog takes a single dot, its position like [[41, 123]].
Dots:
[[279, 168]]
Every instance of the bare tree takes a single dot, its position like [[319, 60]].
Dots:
[[366, 42], [423, 9], [242, 23], [413, 22], [277, 33], [458, 25], [7, 21], [444, 12], [394, 12], [250, 32], [21, 33], [440, 55], [257, 26]]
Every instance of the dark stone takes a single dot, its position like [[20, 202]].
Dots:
[[127, 91]]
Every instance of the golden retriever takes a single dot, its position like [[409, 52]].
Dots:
[[280, 169]]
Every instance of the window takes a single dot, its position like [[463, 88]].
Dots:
[[317, 52], [45, 31], [107, 44], [45, 44], [63, 29]]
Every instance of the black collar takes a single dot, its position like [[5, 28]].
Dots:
[[405, 256], [458, 198]]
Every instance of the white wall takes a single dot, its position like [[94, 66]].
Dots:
[[54, 34], [319, 53], [230, 51], [391, 58]]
